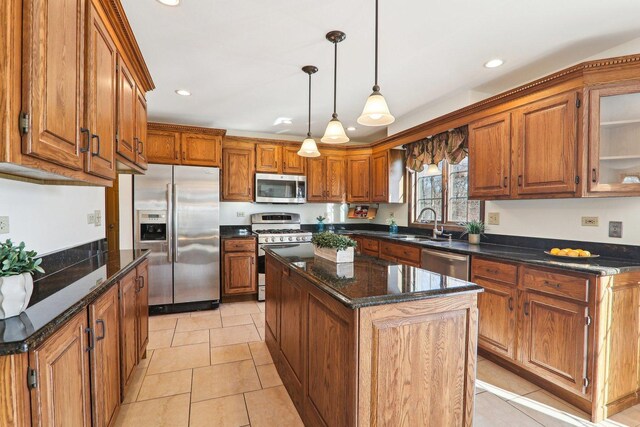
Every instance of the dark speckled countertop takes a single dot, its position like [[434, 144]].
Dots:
[[600, 266], [58, 297], [368, 281]]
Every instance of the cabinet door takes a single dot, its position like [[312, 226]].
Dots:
[[380, 177], [614, 128], [554, 343], [358, 179], [546, 145], [268, 158], [53, 78], [291, 162], [239, 273], [291, 330], [497, 317], [200, 150], [490, 157], [62, 397], [142, 308], [127, 99], [273, 275], [101, 82], [336, 168], [238, 174], [316, 179], [140, 137], [163, 147], [105, 358], [128, 326]]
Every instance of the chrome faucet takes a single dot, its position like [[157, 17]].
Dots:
[[436, 231]]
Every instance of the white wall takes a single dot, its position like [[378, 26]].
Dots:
[[50, 217], [334, 212], [125, 189]]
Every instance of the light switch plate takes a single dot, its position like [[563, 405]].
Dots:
[[589, 221], [615, 229], [4, 224], [97, 216], [493, 218], [240, 214], [91, 218]]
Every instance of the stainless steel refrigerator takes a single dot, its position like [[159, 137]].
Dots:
[[176, 215]]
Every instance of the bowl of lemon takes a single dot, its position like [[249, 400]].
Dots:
[[574, 254]]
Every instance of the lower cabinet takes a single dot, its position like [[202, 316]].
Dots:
[[128, 326], [142, 309], [239, 267]]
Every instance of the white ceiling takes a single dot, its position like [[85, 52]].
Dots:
[[241, 59]]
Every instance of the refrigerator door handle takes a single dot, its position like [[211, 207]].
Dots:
[[174, 223], [169, 224]]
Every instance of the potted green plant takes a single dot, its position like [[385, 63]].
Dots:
[[16, 282], [333, 247], [474, 229], [320, 224]]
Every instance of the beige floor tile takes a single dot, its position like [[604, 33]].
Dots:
[[628, 418], [258, 319], [160, 339], [196, 323], [268, 375], [260, 353], [272, 407], [165, 412], [145, 362], [501, 382], [492, 411], [133, 388], [229, 411], [261, 306], [549, 410], [224, 380], [205, 313], [230, 353], [261, 332], [233, 335], [190, 337], [179, 358], [236, 308], [163, 385], [235, 320], [158, 323]]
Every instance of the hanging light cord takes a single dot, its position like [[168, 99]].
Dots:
[[335, 78], [309, 120], [376, 87]]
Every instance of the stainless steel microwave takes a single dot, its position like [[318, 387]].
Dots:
[[274, 188]]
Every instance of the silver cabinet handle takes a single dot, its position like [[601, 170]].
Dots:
[[169, 223]]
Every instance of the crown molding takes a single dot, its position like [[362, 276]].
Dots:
[[172, 127]]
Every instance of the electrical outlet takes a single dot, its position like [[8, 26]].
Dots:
[[240, 214], [97, 216], [615, 229], [91, 218], [589, 221], [493, 218], [4, 224]]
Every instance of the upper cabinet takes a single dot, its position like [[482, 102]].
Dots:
[[326, 178], [358, 178], [279, 158], [380, 177], [184, 145], [614, 131], [291, 162], [140, 137], [238, 172], [73, 84], [490, 157]]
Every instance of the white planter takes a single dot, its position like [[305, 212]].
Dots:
[[474, 239], [15, 292], [334, 255]]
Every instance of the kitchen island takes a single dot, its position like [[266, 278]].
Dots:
[[371, 342]]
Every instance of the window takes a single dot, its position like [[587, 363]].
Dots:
[[446, 194]]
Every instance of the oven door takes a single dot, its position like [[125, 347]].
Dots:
[[272, 188]]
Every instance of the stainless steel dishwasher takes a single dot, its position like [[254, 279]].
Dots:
[[446, 263]]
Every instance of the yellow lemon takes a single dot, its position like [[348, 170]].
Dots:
[[573, 254], [585, 253], [562, 252], [567, 249], [554, 251]]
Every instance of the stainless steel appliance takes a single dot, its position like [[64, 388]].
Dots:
[[275, 229], [273, 188], [446, 263], [177, 218]]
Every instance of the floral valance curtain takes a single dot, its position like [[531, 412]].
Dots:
[[450, 145]]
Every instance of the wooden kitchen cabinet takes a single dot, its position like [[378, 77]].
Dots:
[[200, 150], [238, 173], [105, 358], [292, 163], [140, 137], [278, 158], [127, 99], [163, 147], [490, 157], [184, 145], [358, 178], [405, 254], [292, 329], [239, 267], [326, 179], [380, 177], [62, 395], [142, 309], [128, 327], [273, 276]]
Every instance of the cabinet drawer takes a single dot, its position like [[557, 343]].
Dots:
[[573, 287], [494, 270], [370, 246], [403, 253], [240, 245]]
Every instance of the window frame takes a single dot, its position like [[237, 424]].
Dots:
[[453, 226]]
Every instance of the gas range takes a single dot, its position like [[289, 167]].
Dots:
[[270, 236], [278, 228]]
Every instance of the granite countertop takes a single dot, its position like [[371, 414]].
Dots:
[[368, 281], [58, 297], [600, 266], [237, 234]]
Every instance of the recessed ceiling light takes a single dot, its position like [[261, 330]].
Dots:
[[494, 63], [183, 92], [283, 121], [351, 128], [170, 2]]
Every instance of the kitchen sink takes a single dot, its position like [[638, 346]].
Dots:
[[421, 238]]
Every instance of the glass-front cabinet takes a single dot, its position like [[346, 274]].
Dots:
[[614, 139]]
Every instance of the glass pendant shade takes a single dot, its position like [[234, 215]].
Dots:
[[433, 170], [309, 148], [334, 134], [376, 111]]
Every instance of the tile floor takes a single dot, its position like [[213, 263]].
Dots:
[[213, 369]]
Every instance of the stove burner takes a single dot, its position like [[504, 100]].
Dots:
[[279, 231]]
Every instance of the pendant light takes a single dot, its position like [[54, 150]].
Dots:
[[433, 170], [376, 111], [309, 147], [334, 134]]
